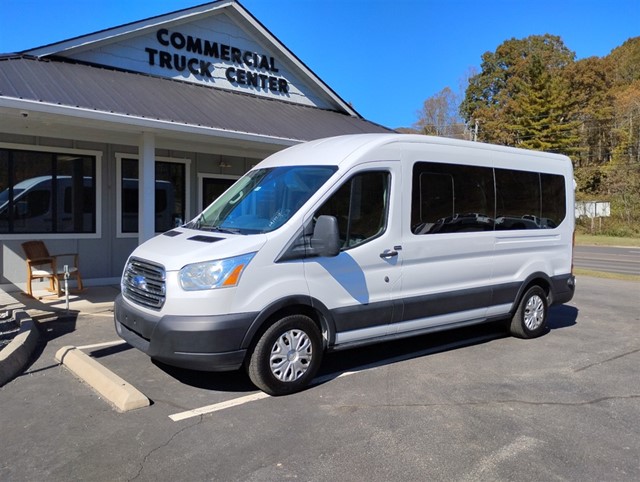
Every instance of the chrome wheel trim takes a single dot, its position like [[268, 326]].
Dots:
[[291, 355], [534, 313]]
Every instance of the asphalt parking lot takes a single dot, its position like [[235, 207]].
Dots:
[[472, 404]]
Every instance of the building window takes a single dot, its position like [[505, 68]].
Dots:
[[170, 194], [211, 186], [47, 192]]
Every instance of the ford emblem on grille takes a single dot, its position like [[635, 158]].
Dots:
[[144, 283], [139, 282]]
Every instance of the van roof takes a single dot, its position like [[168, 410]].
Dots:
[[31, 182], [326, 151]]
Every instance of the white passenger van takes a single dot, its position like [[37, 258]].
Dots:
[[36, 205], [354, 240]]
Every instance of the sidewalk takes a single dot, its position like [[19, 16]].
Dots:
[[93, 299], [36, 317]]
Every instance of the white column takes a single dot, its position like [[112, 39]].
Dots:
[[146, 187]]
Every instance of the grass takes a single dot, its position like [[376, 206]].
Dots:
[[596, 240], [605, 275]]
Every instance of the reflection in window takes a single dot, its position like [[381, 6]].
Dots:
[[45, 192], [169, 195]]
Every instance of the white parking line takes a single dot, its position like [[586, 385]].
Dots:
[[216, 407], [102, 345]]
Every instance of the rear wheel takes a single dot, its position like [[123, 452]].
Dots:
[[530, 319], [287, 356]]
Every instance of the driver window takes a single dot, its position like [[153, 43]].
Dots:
[[360, 206]]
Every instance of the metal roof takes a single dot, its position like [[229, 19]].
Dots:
[[67, 84]]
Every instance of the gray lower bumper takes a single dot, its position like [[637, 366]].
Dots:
[[208, 343], [563, 289]]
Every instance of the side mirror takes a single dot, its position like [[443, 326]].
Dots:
[[325, 240]]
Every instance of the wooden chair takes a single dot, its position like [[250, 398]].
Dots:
[[41, 265]]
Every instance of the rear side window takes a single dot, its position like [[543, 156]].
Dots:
[[554, 202], [518, 199], [453, 198], [450, 198], [529, 200]]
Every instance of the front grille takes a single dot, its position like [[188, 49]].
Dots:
[[144, 283]]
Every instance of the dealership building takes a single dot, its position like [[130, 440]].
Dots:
[[113, 137]]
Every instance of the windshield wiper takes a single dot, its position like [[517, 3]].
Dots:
[[194, 223], [199, 223], [218, 229]]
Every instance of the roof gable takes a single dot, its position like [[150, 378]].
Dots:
[[218, 44]]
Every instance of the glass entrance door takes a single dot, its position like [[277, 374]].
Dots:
[[212, 187]]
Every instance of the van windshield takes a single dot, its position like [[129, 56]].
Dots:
[[262, 200], [4, 197]]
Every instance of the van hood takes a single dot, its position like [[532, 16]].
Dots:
[[180, 247]]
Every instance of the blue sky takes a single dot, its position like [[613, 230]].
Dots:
[[385, 57]]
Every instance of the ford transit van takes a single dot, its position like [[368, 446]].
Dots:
[[37, 204], [353, 240]]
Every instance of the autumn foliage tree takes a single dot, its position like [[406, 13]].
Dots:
[[439, 116], [624, 169], [520, 97], [532, 93]]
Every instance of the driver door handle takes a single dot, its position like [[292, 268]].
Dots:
[[390, 253]]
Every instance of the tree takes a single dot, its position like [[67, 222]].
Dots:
[[590, 83], [627, 124], [521, 98], [532, 93], [626, 68], [439, 116], [626, 62]]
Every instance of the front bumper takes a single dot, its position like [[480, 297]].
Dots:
[[208, 343]]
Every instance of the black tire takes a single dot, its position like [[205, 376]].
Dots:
[[278, 373], [530, 319]]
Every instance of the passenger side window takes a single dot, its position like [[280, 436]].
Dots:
[[454, 198], [360, 206], [451, 198], [519, 200]]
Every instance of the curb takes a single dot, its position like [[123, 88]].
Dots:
[[114, 389], [15, 356]]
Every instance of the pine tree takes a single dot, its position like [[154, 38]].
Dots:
[[521, 98]]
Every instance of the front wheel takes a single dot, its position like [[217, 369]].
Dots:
[[287, 356], [530, 319]]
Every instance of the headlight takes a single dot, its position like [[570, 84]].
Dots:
[[221, 273]]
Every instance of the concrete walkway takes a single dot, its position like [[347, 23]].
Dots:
[[94, 299], [27, 313]]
